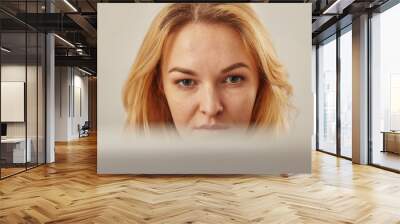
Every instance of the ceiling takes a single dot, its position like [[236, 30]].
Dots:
[[76, 22]]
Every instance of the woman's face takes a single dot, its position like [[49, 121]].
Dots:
[[209, 79]]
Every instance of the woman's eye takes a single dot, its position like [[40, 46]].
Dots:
[[234, 79], [186, 82]]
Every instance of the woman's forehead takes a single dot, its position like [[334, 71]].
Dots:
[[201, 44]]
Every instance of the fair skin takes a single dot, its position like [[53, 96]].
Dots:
[[209, 79]]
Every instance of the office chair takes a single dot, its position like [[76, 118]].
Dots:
[[84, 130]]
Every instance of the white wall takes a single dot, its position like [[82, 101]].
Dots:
[[69, 81], [79, 117], [62, 81]]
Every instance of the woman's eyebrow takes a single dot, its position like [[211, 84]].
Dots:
[[182, 70], [234, 66], [225, 70]]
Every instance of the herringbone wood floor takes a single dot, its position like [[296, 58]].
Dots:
[[70, 191]]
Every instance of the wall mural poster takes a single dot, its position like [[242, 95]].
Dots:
[[204, 88]]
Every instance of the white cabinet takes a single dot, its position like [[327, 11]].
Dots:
[[18, 149]]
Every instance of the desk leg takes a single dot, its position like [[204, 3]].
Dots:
[[384, 142]]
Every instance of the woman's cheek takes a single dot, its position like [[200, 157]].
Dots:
[[239, 103], [182, 105]]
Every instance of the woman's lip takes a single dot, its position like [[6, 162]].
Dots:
[[211, 127]]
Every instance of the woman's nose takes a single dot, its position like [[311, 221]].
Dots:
[[210, 103]]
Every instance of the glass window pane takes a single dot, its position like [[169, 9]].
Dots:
[[22, 88], [327, 96], [386, 89], [346, 94], [13, 86], [31, 100]]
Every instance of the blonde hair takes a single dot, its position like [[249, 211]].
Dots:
[[143, 98]]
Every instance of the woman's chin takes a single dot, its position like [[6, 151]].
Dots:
[[211, 133]]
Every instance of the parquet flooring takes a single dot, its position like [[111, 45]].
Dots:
[[70, 191], [10, 171]]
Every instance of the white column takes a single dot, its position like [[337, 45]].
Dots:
[[50, 99], [360, 90]]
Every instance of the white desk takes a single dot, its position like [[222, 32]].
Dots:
[[391, 141], [19, 149]]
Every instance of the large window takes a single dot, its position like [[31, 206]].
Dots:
[[335, 74], [327, 96], [346, 93], [385, 88]]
